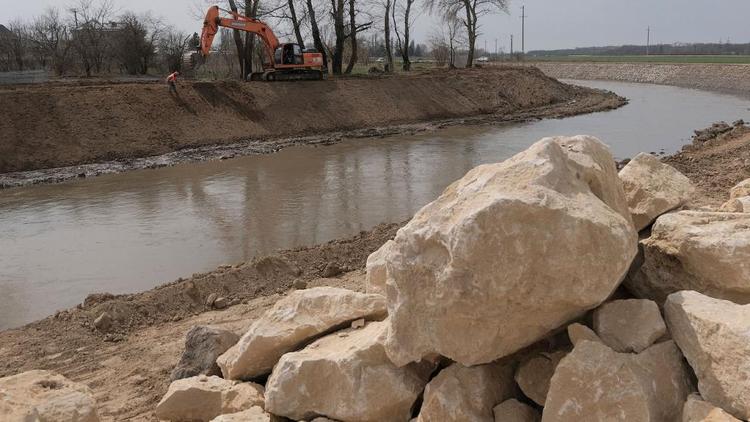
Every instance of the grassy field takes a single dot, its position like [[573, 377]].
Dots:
[[648, 59]]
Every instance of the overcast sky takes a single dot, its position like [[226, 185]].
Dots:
[[551, 23]]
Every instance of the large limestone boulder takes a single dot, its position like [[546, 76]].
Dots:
[[203, 345], [44, 396], [514, 411], [291, 323], [630, 325], [534, 374], [692, 250], [740, 190], [508, 253], [459, 394], [203, 398], [376, 269], [714, 336], [697, 410], [595, 383], [345, 376], [653, 188]]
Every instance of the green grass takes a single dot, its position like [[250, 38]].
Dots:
[[647, 59]]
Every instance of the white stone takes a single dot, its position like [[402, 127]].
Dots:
[[203, 398], [459, 394], [254, 414], [653, 188], [291, 323], [740, 190], [595, 383], [44, 396], [514, 411], [707, 252], [345, 376], [697, 410], [630, 325], [714, 336], [509, 253], [376, 269], [741, 204]]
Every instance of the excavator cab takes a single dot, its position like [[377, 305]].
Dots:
[[289, 54]]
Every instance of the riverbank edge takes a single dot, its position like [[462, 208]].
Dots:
[[584, 101], [728, 79]]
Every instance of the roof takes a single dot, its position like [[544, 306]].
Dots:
[[4, 30]]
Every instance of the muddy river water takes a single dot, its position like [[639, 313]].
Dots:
[[130, 232]]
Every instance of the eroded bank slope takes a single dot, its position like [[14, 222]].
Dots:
[[727, 78], [56, 125]]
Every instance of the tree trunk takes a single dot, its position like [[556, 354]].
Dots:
[[239, 43], [316, 35], [405, 50], [340, 33], [471, 29], [388, 50], [295, 24], [352, 37]]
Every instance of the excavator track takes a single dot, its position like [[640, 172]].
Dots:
[[291, 75]]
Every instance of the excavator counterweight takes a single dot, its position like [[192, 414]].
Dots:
[[281, 61]]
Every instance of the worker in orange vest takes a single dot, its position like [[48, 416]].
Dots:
[[172, 82]]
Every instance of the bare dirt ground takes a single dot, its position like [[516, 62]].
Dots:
[[90, 128], [717, 160]]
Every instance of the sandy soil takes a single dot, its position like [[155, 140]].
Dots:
[[138, 125], [716, 161]]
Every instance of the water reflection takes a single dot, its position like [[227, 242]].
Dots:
[[129, 232]]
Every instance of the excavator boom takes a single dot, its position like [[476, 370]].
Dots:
[[282, 61]]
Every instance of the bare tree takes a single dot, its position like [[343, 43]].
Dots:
[[51, 36], [402, 38], [172, 46], [16, 43], [295, 23], [315, 29], [468, 13], [387, 32], [92, 33], [134, 44]]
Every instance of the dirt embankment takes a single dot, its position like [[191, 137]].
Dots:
[[727, 78], [716, 161], [56, 125]]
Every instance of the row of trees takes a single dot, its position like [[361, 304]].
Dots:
[[90, 38], [336, 27]]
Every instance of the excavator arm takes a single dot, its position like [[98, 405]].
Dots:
[[214, 21]]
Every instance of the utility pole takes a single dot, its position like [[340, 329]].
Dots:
[[523, 29], [511, 46], [485, 47], [648, 40], [496, 48]]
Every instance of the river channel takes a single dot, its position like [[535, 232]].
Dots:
[[130, 232]]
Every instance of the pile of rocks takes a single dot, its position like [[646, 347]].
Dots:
[[523, 293]]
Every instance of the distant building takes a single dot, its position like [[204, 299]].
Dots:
[[4, 31]]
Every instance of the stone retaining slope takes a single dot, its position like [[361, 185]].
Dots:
[[734, 78]]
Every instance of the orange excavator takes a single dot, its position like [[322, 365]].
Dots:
[[283, 62]]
